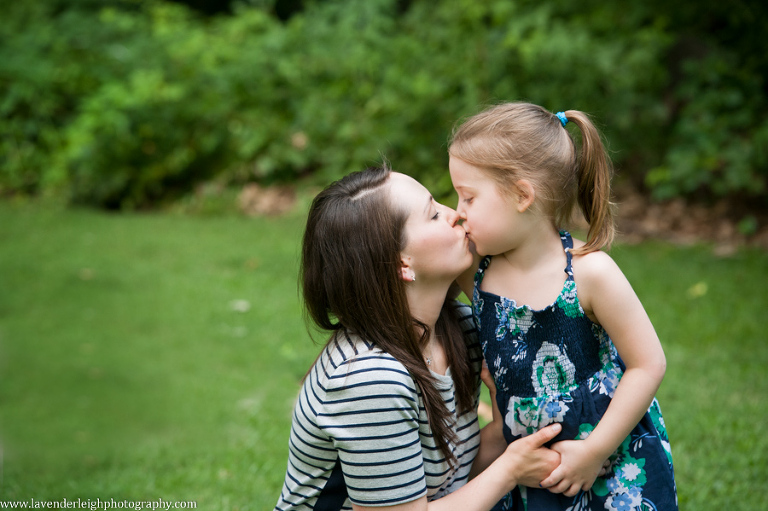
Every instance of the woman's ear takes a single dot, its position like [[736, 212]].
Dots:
[[406, 272], [525, 194]]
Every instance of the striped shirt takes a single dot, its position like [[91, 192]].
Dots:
[[360, 431]]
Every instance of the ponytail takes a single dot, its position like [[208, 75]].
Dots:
[[514, 141], [594, 172]]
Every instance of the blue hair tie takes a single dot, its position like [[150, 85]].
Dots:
[[562, 117]]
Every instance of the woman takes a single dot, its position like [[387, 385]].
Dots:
[[387, 414]]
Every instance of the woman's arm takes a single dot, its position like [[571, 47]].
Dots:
[[492, 441], [492, 445], [524, 461], [608, 299]]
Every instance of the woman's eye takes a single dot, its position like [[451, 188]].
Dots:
[[437, 215], [469, 200]]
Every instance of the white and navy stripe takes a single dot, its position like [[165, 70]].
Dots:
[[360, 431]]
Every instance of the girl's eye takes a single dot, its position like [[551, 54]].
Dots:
[[469, 200], [437, 215]]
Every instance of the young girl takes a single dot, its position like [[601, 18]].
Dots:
[[563, 333]]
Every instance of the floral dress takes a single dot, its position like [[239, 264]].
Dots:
[[556, 365]]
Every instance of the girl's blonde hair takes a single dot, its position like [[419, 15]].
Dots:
[[514, 141]]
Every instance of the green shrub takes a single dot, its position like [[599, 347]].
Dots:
[[145, 132], [136, 102], [720, 138]]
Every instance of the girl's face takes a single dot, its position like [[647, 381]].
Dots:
[[437, 247], [491, 217]]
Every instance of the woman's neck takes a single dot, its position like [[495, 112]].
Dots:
[[425, 301]]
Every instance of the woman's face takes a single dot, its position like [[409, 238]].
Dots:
[[436, 247]]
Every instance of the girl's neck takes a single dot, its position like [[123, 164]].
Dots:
[[532, 273], [536, 245]]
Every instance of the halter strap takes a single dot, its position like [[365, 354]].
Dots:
[[565, 238]]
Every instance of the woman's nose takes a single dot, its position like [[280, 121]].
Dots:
[[452, 216]]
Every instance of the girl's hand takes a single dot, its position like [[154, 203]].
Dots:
[[579, 467]]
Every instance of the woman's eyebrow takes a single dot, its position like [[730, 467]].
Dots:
[[429, 205]]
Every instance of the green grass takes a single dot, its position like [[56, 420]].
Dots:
[[127, 370], [130, 369]]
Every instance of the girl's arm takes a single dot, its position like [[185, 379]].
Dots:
[[524, 461], [466, 280], [608, 299]]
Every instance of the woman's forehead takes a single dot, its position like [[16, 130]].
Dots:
[[405, 182], [407, 192]]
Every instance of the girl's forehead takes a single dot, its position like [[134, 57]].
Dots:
[[462, 167], [467, 176]]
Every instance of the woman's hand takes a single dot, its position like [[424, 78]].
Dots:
[[579, 467], [532, 461]]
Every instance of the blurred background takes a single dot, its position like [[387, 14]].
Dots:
[[129, 103], [157, 158]]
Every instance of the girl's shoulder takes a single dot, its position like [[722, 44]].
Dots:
[[597, 277], [592, 265]]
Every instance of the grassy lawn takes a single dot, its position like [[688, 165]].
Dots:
[[158, 356]]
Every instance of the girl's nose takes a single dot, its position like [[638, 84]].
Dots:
[[460, 211]]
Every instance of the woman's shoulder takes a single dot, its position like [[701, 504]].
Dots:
[[352, 379], [349, 360], [464, 314], [466, 319]]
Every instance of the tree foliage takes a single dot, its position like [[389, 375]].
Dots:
[[130, 102]]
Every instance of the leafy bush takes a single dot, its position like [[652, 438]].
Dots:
[[158, 129], [132, 102], [718, 142]]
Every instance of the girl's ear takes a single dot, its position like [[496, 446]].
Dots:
[[525, 194]]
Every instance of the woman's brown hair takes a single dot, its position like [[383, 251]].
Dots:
[[351, 280], [514, 141]]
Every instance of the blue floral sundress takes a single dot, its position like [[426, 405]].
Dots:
[[556, 365]]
